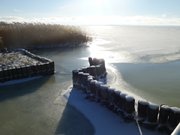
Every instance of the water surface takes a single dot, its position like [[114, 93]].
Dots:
[[145, 59], [36, 107]]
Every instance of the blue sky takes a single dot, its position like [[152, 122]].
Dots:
[[128, 10]]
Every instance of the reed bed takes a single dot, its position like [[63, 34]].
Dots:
[[38, 35]]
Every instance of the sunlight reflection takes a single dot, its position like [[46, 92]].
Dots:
[[98, 51]]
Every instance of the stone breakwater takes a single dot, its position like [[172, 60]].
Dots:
[[157, 117], [27, 65]]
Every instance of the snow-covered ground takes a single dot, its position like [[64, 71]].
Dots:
[[104, 121], [16, 59]]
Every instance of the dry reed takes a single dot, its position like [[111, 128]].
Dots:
[[29, 35]]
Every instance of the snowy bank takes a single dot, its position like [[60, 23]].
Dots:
[[104, 121]]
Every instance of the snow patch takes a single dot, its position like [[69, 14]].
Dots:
[[104, 121]]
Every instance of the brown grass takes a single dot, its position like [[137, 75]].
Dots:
[[29, 35], [1, 43]]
